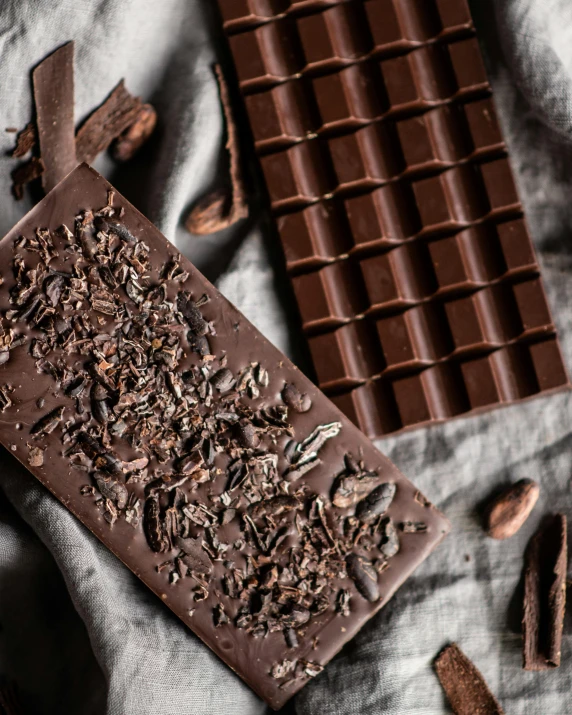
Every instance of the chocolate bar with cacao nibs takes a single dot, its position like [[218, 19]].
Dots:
[[191, 447]]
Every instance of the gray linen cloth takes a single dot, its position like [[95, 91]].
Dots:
[[78, 632]]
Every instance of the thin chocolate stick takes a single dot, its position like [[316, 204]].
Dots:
[[239, 205], [464, 685], [545, 595], [54, 98], [224, 206]]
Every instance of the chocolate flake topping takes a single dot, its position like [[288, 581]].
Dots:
[[300, 402], [25, 141], [48, 423]]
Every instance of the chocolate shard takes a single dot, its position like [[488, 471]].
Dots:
[[224, 206], [350, 488], [35, 456], [24, 174], [191, 313], [48, 423], [194, 557], [112, 489], [223, 380], [464, 685], [106, 123], [153, 524], [389, 544], [545, 594], [54, 99], [511, 508], [274, 507], [25, 141]]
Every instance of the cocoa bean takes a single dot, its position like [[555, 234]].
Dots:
[[133, 138], [510, 509]]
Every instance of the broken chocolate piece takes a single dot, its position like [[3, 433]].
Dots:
[[511, 508], [54, 98], [25, 141], [545, 594], [194, 556], [48, 423], [464, 685], [24, 174], [106, 123], [352, 486], [225, 205]]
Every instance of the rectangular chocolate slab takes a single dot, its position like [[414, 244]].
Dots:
[[197, 453], [390, 187]]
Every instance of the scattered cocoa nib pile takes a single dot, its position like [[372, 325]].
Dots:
[[228, 203], [188, 453]]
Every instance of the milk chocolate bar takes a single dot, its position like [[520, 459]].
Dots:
[[191, 447], [390, 187]]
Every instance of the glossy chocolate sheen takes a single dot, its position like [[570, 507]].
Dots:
[[394, 199], [231, 335]]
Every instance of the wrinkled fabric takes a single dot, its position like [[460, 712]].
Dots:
[[78, 632]]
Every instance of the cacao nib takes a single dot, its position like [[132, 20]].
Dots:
[[364, 576], [376, 503]]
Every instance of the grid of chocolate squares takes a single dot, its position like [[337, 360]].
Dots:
[[402, 228]]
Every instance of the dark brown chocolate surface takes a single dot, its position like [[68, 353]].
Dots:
[[54, 98], [191, 447], [403, 233]]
